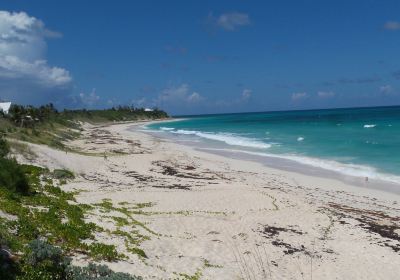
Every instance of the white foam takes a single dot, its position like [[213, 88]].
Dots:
[[300, 139], [148, 130], [369, 125], [348, 169], [167, 128], [228, 138]]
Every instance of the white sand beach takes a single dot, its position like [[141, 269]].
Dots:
[[212, 217]]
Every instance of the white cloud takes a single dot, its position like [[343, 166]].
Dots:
[[230, 21], [392, 25], [240, 100], [299, 96], [325, 94], [246, 94], [386, 89], [194, 97], [174, 93], [90, 99], [12, 67], [179, 94], [22, 55]]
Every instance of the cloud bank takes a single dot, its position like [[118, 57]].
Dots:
[[176, 98], [25, 75], [178, 95], [182, 99]]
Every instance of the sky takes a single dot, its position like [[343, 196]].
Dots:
[[200, 57]]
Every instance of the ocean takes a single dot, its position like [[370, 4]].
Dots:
[[360, 142]]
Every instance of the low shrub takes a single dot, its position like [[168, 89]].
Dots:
[[63, 174], [8, 268], [44, 261], [99, 272], [12, 176], [4, 147], [100, 251]]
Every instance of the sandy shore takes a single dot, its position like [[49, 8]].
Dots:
[[218, 218]]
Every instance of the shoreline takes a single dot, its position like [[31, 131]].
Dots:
[[295, 169], [212, 217], [283, 162]]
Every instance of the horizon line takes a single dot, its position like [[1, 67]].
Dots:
[[294, 110]]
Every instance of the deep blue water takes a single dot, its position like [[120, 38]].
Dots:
[[356, 141]]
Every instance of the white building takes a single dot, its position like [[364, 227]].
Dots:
[[148, 110], [5, 107]]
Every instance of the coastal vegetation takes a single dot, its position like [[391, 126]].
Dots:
[[46, 125], [41, 226]]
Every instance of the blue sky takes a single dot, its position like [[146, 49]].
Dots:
[[192, 57]]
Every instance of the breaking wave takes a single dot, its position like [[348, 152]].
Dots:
[[369, 125], [228, 138]]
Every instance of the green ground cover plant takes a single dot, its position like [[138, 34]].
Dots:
[[40, 225]]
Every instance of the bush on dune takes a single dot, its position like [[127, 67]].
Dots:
[[4, 147], [43, 261], [99, 272], [63, 174], [11, 175], [8, 267]]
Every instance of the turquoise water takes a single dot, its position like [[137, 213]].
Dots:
[[357, 141]]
